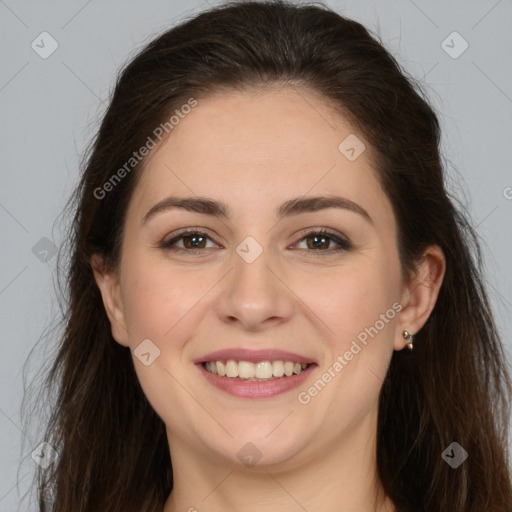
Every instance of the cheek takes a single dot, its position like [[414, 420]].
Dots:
[[359, 305], [157, 297], [347, 300], [162, 304], [160, 300]]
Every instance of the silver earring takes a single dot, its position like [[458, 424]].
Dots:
[[408, 336]]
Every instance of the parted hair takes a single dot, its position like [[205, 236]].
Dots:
[[455, 386]]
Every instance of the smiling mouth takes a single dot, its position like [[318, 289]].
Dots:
[[262, 371]]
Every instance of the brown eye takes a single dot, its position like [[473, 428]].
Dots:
[[192, 241], [321, 241], [318, 242]]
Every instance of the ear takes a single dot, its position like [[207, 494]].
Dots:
[[420, 295], [108, 283]]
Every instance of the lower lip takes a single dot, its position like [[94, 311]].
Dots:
[[255, 389]]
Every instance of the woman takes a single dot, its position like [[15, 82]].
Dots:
[[270, 288]]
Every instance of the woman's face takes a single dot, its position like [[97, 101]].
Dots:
[[261, 280]]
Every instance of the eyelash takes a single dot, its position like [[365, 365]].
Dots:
[[343, 243]]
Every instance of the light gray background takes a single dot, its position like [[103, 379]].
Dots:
[[50, 109]]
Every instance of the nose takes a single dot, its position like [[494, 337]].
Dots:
[[254, 296]]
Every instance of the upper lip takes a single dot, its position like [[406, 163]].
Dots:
[[253, 356]]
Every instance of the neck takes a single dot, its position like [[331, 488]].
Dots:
[[342, 478]]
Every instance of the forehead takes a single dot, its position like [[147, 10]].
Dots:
[[270, 127], [253, 147]]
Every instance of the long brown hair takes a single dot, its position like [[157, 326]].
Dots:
[[113, 450]]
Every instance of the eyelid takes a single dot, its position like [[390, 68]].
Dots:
[[166, 242], [343, 242]]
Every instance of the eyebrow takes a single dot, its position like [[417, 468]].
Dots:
[[208, 206]]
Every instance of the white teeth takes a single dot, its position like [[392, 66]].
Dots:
[[264, 370], [231, 368], [278, 368], [246, 370], [221, 370], [288, 368]]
